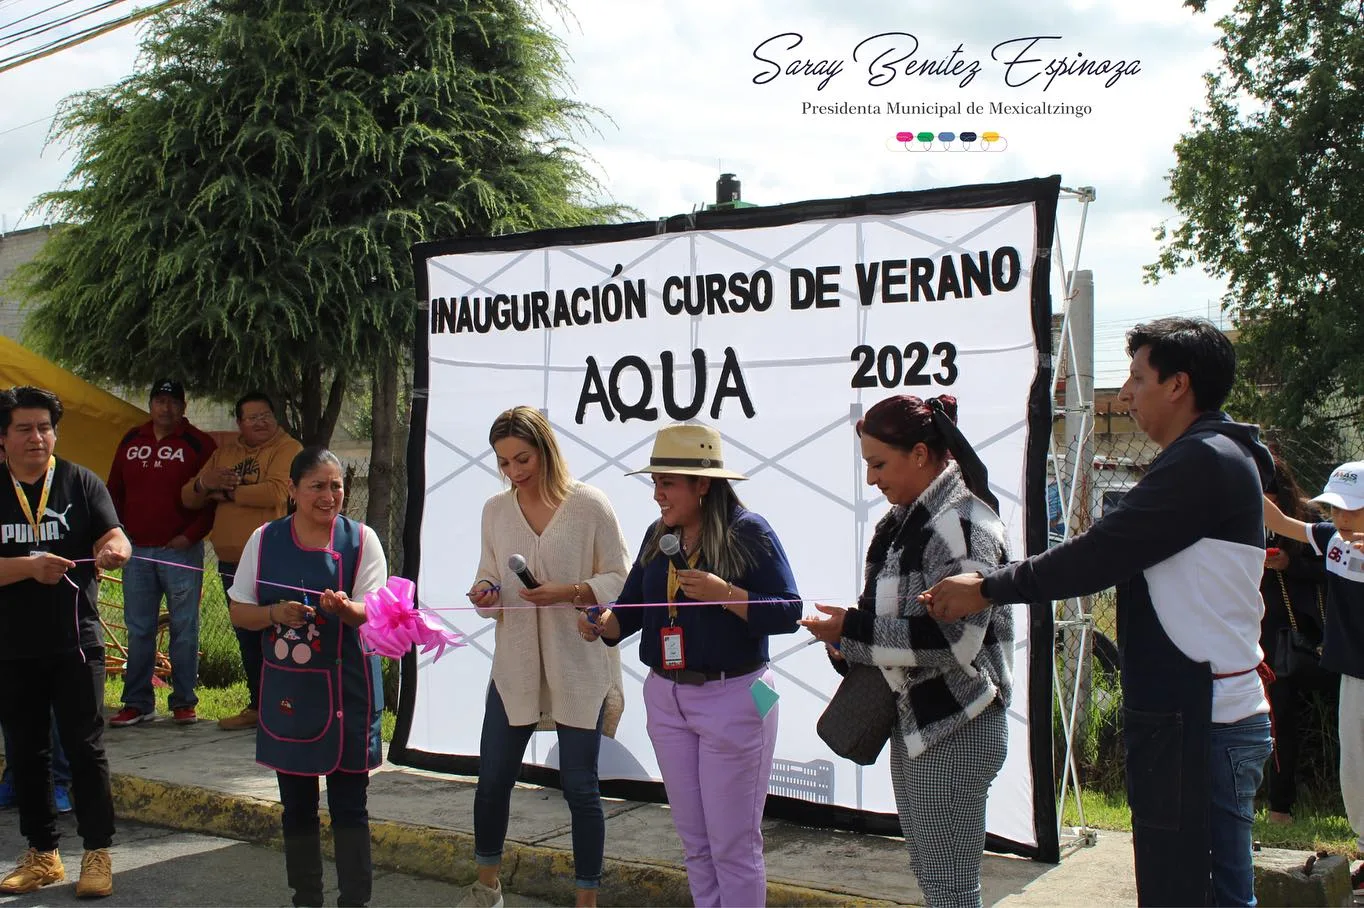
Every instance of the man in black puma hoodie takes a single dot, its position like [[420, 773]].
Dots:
[[1185, 548]]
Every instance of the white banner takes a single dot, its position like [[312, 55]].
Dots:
[[781, 336]]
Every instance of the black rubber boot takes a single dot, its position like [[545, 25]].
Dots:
[[354, 869], [303, 864]]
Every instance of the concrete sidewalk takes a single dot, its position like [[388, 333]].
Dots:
[[202, 779]]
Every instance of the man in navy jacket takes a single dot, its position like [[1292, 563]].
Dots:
[[1185, 548]]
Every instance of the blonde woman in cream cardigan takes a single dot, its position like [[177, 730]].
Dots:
[[542, 666]]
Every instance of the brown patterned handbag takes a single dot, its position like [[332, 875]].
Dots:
[[861, 716]]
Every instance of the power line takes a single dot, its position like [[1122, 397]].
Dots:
[[34, 30], [5, 132], [8, 25], [81, 37]]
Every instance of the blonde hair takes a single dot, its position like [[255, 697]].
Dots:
[[530, 425]]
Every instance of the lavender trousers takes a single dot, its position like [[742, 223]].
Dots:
[[715, 754]]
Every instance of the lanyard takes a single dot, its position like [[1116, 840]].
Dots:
[[42, 498], [674, 586]]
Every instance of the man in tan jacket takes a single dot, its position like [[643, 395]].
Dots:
[[248, 477]]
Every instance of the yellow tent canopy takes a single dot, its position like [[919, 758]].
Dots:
[[93, 420]]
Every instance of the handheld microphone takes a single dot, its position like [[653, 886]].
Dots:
[[517, 565], [669, 546]]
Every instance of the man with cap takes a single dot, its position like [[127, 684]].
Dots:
[[152, 463], [1337, 542]]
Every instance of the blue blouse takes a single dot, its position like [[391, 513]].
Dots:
[[714, 639]]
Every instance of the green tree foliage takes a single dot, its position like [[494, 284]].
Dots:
[[1269, 186], [242, 207]]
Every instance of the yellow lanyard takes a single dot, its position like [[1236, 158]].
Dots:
[[42, 497], [674, 586]]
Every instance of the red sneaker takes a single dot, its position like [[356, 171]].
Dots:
[[184, 715], [129, 715]]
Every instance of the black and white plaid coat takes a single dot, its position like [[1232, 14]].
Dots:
[[944, 674]]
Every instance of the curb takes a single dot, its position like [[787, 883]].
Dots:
[[441, 854]]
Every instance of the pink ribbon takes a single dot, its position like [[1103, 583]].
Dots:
[[393, 626]]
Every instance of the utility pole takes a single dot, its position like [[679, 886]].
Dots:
[[1079, 434]]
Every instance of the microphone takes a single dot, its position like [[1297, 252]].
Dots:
[[517, 565], [668, 545]]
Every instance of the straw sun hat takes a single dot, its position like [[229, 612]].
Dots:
[[689, 450]]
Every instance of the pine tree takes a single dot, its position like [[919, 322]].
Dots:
[[242, 207]]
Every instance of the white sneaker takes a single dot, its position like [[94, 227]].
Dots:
[[480, 896]]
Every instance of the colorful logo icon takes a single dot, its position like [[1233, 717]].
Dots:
[[927, 140]]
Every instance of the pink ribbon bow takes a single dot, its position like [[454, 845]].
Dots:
[[393, 625]]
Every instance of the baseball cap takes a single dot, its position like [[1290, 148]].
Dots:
[[168, 386], [1345, 488]]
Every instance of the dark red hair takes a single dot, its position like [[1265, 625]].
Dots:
[[904, 420]]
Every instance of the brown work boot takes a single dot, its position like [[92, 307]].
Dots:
[[245, 719], [35, 870], [97, 875]]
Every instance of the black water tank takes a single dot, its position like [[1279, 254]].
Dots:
[[726, 189]]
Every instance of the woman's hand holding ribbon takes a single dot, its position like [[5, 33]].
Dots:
[[598, 622], [337, 604], [290, 613], [485, 594], [828, 630]]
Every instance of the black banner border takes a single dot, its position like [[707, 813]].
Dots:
[[1043, 193]]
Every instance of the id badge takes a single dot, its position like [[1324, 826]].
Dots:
[[673, 658]]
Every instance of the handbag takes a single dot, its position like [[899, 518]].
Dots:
[[859, 718], [1294, 650]]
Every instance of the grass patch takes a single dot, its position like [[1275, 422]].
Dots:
[[1102, 811], [1310, 830], [214, 702]]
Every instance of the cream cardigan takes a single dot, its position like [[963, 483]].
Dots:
[[541, 665]]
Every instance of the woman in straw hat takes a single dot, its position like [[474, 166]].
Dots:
[[711, 711], [952, 680], [572, 544]]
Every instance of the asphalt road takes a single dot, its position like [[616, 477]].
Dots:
[[154, 866]]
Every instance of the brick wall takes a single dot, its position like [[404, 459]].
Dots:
[[16, 248]]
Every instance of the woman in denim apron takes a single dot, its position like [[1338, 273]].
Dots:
[[321, 691]]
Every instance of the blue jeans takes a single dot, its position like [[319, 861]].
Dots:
[[248, 642], [144, 583], [61, 770], [499, 760], [1237, 752]]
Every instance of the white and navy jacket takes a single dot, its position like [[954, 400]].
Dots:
[[1193, 528], [943, 674]]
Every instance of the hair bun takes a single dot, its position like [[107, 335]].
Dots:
[[947, 403]]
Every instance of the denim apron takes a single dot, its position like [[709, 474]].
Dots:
[[320, 692], [1167, 722]]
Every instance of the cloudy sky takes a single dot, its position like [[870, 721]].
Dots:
[[687, 91]]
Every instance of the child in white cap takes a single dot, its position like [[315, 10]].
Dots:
[[1343, 645]]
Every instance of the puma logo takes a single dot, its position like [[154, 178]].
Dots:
[[60, 518]]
